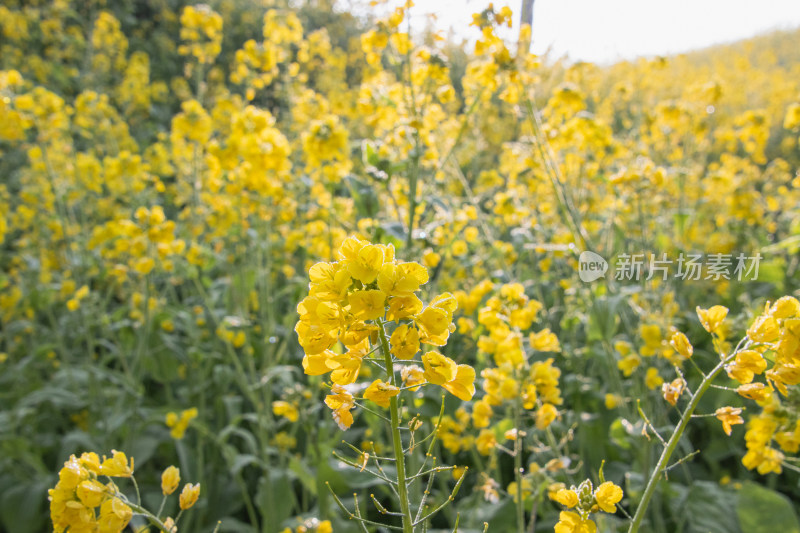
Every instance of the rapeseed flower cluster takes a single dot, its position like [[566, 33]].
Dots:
[[80, 502], [582, 501], [516, 377], [774, 353], [350, 303]]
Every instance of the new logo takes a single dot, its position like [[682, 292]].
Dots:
[[591, 266]]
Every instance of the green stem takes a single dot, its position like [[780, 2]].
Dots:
[[673, 443], [161, 507], [138, 509], [397, 443], [518, 467], [548, 157]]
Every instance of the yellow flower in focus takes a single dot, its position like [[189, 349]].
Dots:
[[569, 522], [189, 495], [403, 307], [346, 368], [746, 365], [566, 497], [754, 391], [401, 279], [404, 341], [367, 305], [764, 329], [170, 479], [341, 402], [462, 386], [439, 369], [681, 344], [364, 260], [729, 416], [380, 392], [713, 317], [114, 516], [169, 524], [314, 339], [607, 496], [91, 462], [91, 492], [785, 307], [672, 391], [435, 321], [117, 465], [412, 376]]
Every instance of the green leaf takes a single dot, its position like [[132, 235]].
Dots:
[[711, 509], [772, 270], [500, 516], [369, 154], [303, 473], [274, 498], [22, 506], [619, 435], [792, 244], [394, 229], [762, 510], [58, 397], [244, 460], [604, 317], [143, 447]]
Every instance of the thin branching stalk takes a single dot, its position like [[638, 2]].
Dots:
[[518, 465], [138, 509], [663, 461]]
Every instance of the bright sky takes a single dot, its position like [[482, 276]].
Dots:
[[607, 30]]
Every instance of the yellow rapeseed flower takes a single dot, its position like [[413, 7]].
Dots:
[[607, 496], [380, 392], [189, 495], [569, 522], [170, 479], [713, 317]]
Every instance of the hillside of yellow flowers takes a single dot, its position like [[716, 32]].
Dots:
[[270, 266]]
